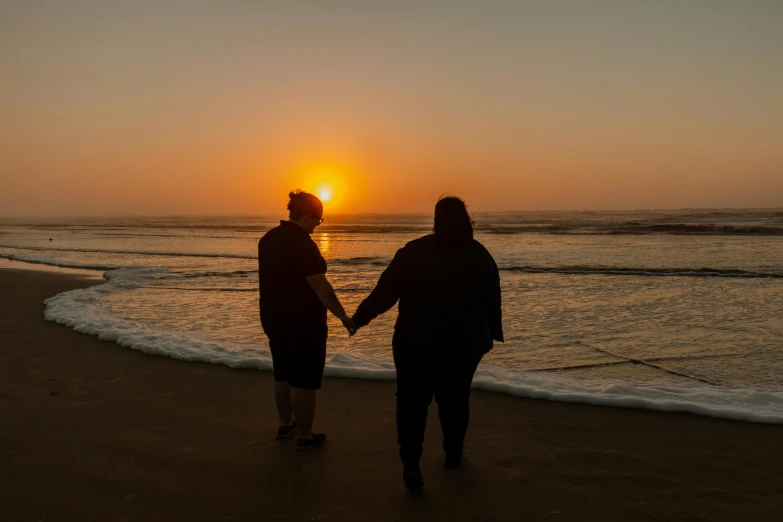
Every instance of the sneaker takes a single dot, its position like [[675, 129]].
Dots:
[[318, 439], [453, 460], [411, 475], [283, 432]]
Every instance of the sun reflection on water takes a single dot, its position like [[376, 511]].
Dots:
[[324, 244]]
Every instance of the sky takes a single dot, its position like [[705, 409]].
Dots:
[[221, 108]]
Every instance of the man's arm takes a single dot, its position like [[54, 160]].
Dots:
[[325, 292]]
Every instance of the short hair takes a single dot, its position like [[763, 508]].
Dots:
[[453, 224], [302, 203]]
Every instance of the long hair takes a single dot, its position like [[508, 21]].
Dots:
[[453, 224]]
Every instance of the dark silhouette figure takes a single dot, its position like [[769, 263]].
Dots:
[[448, 288], [294, 296]]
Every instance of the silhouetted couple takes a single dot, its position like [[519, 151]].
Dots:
[[448, 288]]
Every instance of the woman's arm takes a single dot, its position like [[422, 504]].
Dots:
[[385, 295]]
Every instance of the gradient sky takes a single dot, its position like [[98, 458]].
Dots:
[[206, 107]]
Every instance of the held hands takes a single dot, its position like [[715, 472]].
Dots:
[[349, 325]]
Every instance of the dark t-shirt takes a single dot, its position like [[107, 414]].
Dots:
[[286, 256]]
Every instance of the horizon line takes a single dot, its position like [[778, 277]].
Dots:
[[235, 216]]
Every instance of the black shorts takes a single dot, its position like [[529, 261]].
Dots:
[[299, 356]]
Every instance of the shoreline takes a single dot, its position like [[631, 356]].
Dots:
[[85, 273], [698, 397], [93, 429]]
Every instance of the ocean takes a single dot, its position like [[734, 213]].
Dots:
[[664, 310]]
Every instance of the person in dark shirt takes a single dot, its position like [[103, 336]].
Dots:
[[294, 297], [448, 288]]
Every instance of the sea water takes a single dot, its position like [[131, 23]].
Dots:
[[666, 310]]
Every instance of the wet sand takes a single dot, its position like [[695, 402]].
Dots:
[[93, 431]]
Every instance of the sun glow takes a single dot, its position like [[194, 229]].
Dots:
[[324, 193], [337, 185], [328, 184]]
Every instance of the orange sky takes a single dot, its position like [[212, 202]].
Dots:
[[201, 108]]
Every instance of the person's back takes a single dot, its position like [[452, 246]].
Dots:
[[448, 288], [445, 299], [286, 256]]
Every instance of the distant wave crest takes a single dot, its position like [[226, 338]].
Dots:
[[681, 272], [634, 229], [382, 262]]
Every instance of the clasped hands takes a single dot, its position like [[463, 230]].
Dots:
[[349, 325]]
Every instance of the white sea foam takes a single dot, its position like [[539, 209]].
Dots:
[[699, 399], [83, 311]]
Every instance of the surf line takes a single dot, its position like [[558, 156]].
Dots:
[[649, 364]]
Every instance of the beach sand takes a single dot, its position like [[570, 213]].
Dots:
[[94, 431]]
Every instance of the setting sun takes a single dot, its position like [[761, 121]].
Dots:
[[329, 183], [324, 193], [340, 183]]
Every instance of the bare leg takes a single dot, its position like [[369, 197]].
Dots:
[[304, 410], [283, 400]]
